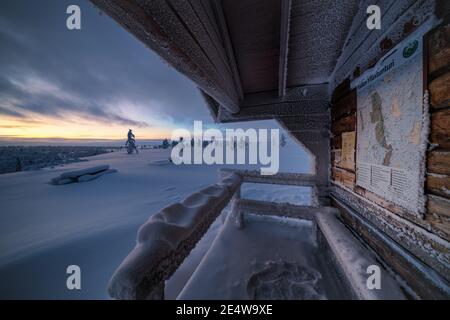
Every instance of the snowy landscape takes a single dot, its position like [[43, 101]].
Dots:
[[21, 158], [44, 227]]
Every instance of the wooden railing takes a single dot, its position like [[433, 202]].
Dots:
[[168, 237]]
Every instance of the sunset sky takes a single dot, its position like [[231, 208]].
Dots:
[[92, 83]]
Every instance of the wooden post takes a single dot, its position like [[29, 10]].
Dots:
[[236, 212]]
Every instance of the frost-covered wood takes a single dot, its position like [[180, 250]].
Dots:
[[353, 259], [425, 281], [438, 184], [439, 49], [439, 162], [280, 209], [364, 46], [284, 46], [440, 128], [283, 178], [273, 110], [440, 91], [425, 245]]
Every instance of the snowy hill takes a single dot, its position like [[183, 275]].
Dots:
[[44, 228]]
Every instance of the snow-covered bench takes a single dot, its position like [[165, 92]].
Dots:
[[82, 175]]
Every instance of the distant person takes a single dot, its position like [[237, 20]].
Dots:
[[131, 142]]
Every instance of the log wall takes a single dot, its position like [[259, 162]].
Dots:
[[433, 230]]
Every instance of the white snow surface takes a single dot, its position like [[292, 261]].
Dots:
[[45, 228], [247, 264]]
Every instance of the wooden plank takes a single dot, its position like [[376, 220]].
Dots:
[[440, 128], [439, 206], [380, 201], [306, 122], [212, 104], [438, 184], [343, 177], [282, 178], [275, 110], [255, 35], [400, 211], [348, 178], [345, 124], [195, 26], [345, 106], [440, 91], [284, 46], [399, 229], [335, 175], [438, 162], [228, 46], [439, 222], [393, 254], [438, 48]]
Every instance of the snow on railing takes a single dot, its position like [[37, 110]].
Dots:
[[285, 178], [167, 238]]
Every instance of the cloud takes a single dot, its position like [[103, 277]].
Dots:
[[12, 113], [48, 70]]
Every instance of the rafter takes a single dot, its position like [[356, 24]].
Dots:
[[284, 46]]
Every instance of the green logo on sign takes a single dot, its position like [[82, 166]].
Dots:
[[410, 49]]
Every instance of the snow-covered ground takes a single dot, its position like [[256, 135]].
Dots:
[[290, 266], [44, 228]]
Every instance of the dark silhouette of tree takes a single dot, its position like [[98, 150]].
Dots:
[[18, 165]]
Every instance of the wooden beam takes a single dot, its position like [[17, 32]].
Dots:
[[271, 111], [284, 46], [310, 92], [212, 104], [399, 229], [223, 27], [438, 184], [440, 128], [302, 100], [438, 161], [440, 91], [424, 280]]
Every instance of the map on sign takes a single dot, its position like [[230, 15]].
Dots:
[[389, 127]]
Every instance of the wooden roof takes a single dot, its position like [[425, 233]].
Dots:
[[243, 53]]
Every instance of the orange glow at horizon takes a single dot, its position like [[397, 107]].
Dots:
[[11, 127]]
